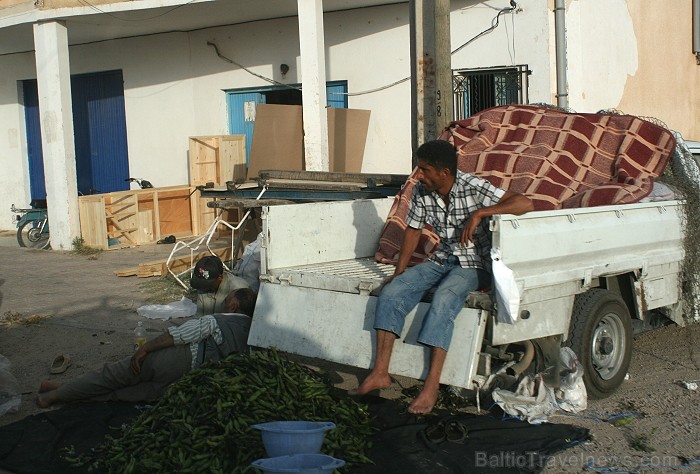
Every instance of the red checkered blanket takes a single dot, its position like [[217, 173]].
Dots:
[[558, 159]]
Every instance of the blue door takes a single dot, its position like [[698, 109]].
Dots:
[[99, 123], [241, 115], [99, 120], [37, 187]]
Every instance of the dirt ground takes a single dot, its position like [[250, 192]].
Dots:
[[54, 303]]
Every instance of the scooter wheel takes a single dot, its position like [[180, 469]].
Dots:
[[30, 235]]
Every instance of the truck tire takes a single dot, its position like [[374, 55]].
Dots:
[[601, 337]]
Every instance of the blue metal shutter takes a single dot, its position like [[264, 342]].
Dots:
[[99, 118], [99, 124], [37, 186], [336, 94], [238, 125]]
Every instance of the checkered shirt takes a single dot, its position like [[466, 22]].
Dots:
[[468, 194]]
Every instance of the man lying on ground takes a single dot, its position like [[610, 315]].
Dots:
[[161, 361]]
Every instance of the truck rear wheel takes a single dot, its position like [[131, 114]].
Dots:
[[601, 337]]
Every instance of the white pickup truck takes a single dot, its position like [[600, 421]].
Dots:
[[586, 278], [584, 275]]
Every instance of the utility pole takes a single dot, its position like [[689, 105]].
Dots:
[[560, 42], [431, 69]]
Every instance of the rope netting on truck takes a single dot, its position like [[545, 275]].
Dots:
[[682, 175]]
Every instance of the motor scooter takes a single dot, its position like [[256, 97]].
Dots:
[[32, 225]]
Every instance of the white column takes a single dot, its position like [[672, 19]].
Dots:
[[56, 116], [313, 79]]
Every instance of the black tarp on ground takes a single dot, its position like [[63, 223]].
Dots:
[[33, 445], [492, 443]]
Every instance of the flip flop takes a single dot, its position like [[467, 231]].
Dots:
[[60, 364]]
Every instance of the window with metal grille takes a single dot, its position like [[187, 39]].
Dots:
[[479, 89]]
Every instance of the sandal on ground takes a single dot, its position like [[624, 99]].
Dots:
[[60, 364], [433, 435], [456, 432]]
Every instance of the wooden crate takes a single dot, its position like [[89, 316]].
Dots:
[[125, 218], [203, 216], [217, 159]]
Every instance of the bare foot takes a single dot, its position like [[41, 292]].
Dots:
[[424, 402], [46, 399], [372, 382], [47, 386]]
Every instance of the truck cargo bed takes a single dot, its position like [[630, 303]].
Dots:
[[359, 276], [319, 278]]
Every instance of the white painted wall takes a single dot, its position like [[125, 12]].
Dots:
[[157, 98], [520, 38], [174, 82], [14, 178], [602, 53]]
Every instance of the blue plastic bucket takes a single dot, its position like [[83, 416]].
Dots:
[[299, 463], [293, 437]]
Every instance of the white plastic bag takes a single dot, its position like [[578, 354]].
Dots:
[[177, 309], [571, 394], [507, 292], [532, 401], [10, 395], [248, 267]]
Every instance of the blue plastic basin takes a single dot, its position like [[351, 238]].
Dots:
[[293, 437], [306, 463]]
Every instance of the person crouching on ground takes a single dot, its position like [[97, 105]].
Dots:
[[213, 285], [458, 206], [144, 376]]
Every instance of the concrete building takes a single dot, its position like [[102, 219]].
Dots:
[[94, 92]]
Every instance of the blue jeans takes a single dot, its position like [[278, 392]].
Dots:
[[453, 284]]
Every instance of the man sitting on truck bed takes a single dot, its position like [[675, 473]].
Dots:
[[457, 205]]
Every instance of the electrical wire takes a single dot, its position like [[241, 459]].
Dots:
[[511, 52], [494, 25], [272, 81], [267, 79], [85, 2]]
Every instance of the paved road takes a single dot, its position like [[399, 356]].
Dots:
[[8, 238], [89, 312]]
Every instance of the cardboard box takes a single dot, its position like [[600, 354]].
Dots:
[[278, 139]]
